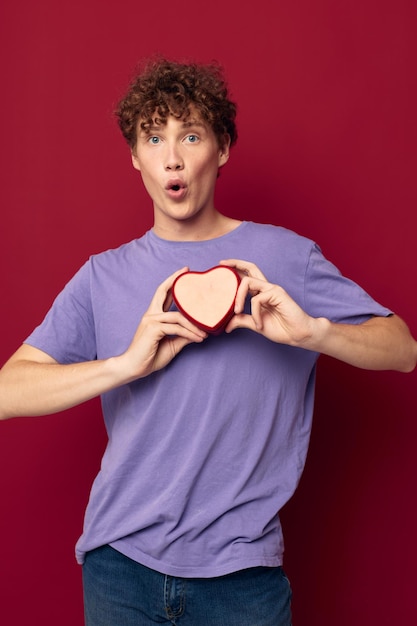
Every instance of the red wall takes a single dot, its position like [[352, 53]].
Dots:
[[327, 99]]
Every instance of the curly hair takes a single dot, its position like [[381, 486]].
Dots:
[[166, 88]]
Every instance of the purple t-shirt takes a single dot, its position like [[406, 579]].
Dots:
[[203, 454]]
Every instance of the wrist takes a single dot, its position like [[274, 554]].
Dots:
[[318, 337], [121, 369]]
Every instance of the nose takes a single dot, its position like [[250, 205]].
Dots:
[[174, 165], [173, 160]]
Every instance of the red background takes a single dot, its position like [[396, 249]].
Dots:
[[327, 99]]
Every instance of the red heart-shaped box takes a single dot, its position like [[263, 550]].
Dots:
[[207, 298]]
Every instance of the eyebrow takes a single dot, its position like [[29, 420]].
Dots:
[[185, 124], [193, 123]]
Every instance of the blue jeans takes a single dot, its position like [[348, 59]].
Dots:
[[121, 592]]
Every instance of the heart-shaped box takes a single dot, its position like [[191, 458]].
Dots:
[[207, 298]]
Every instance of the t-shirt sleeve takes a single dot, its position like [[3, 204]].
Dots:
[[330, 294], [67, 333]]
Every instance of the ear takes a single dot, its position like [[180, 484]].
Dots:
[[135, 160], [224, 151]]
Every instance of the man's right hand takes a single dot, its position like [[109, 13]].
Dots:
[[160, 336], [33, 383]]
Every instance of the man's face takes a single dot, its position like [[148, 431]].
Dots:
[[179, 165]]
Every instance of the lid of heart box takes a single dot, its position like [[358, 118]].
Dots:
[[207, 298]]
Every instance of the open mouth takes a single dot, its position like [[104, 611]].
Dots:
[[176, 189], [175, 184]]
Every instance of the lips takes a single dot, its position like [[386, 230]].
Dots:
[[176, 189]]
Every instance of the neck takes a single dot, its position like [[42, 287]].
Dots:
[[187, 230]]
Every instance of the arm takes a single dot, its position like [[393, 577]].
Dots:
[[380, 343], [33, 383]]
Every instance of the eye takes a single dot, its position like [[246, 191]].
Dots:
[[192, 138], [154, 140]]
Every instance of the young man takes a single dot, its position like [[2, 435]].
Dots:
[[207, 434]]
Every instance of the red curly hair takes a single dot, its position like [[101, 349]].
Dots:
[[166, 88]]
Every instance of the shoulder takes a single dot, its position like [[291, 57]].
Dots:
[[278, 234], [119, 252], [279, 249], [125, 254]]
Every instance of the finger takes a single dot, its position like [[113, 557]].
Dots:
[[168, 350], [162, 298], [245, 268], [258, 304], [241, 320], [178, 343], [249, 285], [240, 297], [169, 299], [177, 330], [175, 321]]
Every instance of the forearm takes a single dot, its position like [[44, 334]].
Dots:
[[379, 344], [30, 388], [33, 383]]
